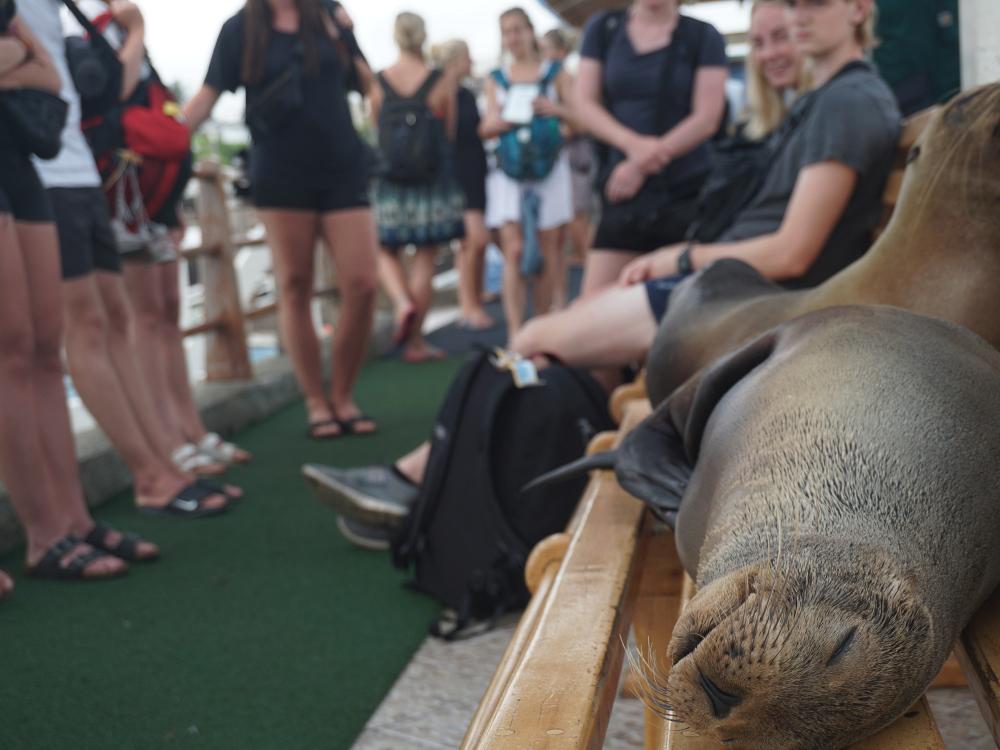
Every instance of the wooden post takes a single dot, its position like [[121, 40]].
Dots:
[[226, 354], [979, 21]]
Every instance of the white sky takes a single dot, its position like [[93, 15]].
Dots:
[[181, 33]]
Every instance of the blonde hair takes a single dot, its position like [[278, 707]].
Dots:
[[560, 38], [865, 33], [445, 53], [410, 33], [766, 106]]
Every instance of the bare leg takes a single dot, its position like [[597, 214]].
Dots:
[[553, 276], [421, 292], [392, 274], [292, 236], [612, 329], [414, 464], [514, 293], [470, 283], [350, 236], [56, 433], [22, 455], [98, 383], [145, 295], [581, 235], [602, 269]]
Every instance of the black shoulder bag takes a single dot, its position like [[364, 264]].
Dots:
[[94, 67]]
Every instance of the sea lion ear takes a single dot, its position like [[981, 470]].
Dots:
[[656, 459]]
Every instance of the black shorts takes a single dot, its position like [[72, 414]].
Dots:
[[658, 293], [86, 242], [350, 191], [21, 192], [646, 223]]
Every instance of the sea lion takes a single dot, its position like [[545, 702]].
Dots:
[[939, 255], [839, 500]]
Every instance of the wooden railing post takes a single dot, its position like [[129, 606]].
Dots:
[[226, 353]]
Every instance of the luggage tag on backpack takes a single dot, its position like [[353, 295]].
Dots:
[[523, 371]]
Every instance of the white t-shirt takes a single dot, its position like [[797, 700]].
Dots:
[[74, 166]]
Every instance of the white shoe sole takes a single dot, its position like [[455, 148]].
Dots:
[[375, 545]]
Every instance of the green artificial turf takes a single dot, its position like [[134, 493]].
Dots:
[[261, 628]]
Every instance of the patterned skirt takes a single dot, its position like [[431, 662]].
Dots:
[[419, 214]]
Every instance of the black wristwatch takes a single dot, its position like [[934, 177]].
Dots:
[[684, 264]]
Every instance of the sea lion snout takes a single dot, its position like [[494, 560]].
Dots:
[[768, 658]]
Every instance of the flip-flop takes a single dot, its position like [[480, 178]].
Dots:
[[405, 327], [127, 548], [350, 426], [188, 503], [431, 355], [313, 429], [50, 567], [213, 446]]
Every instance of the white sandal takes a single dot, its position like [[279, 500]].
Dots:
[[215, 447], [190, 460]]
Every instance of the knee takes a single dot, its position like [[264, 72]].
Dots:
[[171, 312], [87, 329], [360, 288], [48, 345], [296, 290], [513, 251], [17, 342], [119, 318]]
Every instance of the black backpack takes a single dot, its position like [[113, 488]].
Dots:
[[472, 528], [410, 138]]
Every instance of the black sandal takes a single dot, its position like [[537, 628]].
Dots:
[[217, 489], [313, 430], [127, 548], [350, 426], [51, 567], [188, 503]]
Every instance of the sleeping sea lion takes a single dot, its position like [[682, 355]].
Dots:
[[839, 515], [940, 255]]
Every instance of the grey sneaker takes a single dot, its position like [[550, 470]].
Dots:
[[372, 495], [364, 536]]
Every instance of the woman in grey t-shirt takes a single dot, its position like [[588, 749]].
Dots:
[[812, 216]]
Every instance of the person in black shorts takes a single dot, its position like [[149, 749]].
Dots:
[[470, 167], [100, 323], [309, 178], [153, 281], [37, 459], [651, 90]]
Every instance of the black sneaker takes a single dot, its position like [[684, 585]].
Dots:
[[373, 495], [364, 536]]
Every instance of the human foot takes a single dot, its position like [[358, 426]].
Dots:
[[6, 585], [352, 420], [129, 547], [404, 318], [423, 352], [177, 496], [188, 458], [70, 559], [213, 446], [477, 320], [323, 423]]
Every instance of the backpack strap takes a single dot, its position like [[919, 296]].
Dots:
[[433, 77], [614, 22], [550, 75], [500, 76]]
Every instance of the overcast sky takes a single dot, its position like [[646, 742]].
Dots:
[[181, 33]]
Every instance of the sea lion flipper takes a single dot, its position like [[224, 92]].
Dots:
[[656, 459]]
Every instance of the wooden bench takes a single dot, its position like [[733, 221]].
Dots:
[[614, 569]]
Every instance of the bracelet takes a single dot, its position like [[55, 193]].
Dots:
[[685, 266]]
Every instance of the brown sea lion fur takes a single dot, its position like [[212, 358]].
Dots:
[[940, 255], [841, 521]]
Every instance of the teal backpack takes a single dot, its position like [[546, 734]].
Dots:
[[529, 152]]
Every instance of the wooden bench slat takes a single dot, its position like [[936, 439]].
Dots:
[[560, 693], [978, 652]]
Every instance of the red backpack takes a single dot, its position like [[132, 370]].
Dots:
[[144, 132]]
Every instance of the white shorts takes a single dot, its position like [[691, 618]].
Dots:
[[503, 197]]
